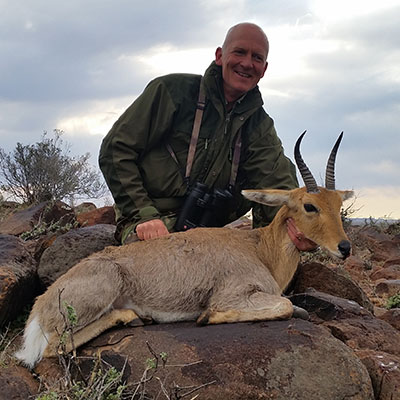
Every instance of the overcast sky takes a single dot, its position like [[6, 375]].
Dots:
[[333, 66]]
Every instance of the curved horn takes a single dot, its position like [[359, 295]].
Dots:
[[308, 179], [330, 167]]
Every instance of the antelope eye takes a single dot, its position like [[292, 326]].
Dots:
[[310, 208]]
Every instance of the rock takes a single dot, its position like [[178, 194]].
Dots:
[[68, 249], [39, 245], [324, 279], [366, 333], [58, 211], [268, 360], [22, 221], [103, 215], [349, 322], [17, 383], [394, 261], [379, 311], [387, 249], [391, 271], [389, 287], [25, 220], [18, 278], [382, 246], [325, 307], [370, 233], [384, 370], [355, 263], [392, 317], [84, 207]]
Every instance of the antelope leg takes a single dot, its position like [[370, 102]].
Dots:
[[259, 306]]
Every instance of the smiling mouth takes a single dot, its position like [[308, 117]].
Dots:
[[243, 75]]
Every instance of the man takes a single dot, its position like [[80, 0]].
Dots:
[[145, 152]]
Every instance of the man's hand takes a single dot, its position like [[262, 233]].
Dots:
[[298, 238], [151, 229]]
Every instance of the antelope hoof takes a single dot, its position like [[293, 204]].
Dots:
[[147, 320], [135, 322], [203, 318]]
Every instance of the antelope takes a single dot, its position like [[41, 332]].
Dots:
[[212, 275]]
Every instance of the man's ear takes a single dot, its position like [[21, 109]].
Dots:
[[265, 68], [218, 56]]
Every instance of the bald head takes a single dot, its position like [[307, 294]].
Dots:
[[243, 30]]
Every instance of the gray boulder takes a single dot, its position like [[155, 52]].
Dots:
[[268, 360], [324, 279], [68, 249]]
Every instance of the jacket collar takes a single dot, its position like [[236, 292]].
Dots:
[[214, 87]]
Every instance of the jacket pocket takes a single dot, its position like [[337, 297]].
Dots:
[[161, 175]]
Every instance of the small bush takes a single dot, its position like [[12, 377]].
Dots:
[[393, 301], [45, 171], [393, 229], [43, 228]]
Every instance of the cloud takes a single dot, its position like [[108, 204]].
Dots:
[[329, 75], [378, 202]]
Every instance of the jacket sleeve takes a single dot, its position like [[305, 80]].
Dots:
[[141, 127], [267, 167]]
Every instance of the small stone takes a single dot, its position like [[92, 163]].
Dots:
[[260, 372], [388, 272]]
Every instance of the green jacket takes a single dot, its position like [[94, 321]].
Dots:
[[146, 182]]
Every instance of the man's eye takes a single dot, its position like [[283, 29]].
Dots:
[[310, 208]]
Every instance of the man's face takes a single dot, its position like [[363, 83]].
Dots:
[[243, 60]]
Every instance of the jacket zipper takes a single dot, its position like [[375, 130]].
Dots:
[[227, 120]]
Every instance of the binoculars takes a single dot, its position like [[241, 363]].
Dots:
[[204, 208]]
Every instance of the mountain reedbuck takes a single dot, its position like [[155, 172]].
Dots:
[[214, 275]]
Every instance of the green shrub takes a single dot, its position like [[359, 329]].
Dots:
[[393, 301], [45, 171]]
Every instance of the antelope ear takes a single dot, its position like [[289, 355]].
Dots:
[[269, 197], [346, 194]]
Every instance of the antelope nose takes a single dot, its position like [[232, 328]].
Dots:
[[344, 247]]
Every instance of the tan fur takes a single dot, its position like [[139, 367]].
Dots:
[[214, 274]]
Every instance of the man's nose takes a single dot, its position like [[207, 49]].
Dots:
[[247, 61]]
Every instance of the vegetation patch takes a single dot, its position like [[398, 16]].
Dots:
[[393, 301], [46, 171]]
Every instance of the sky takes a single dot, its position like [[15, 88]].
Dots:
[[333, 66]]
